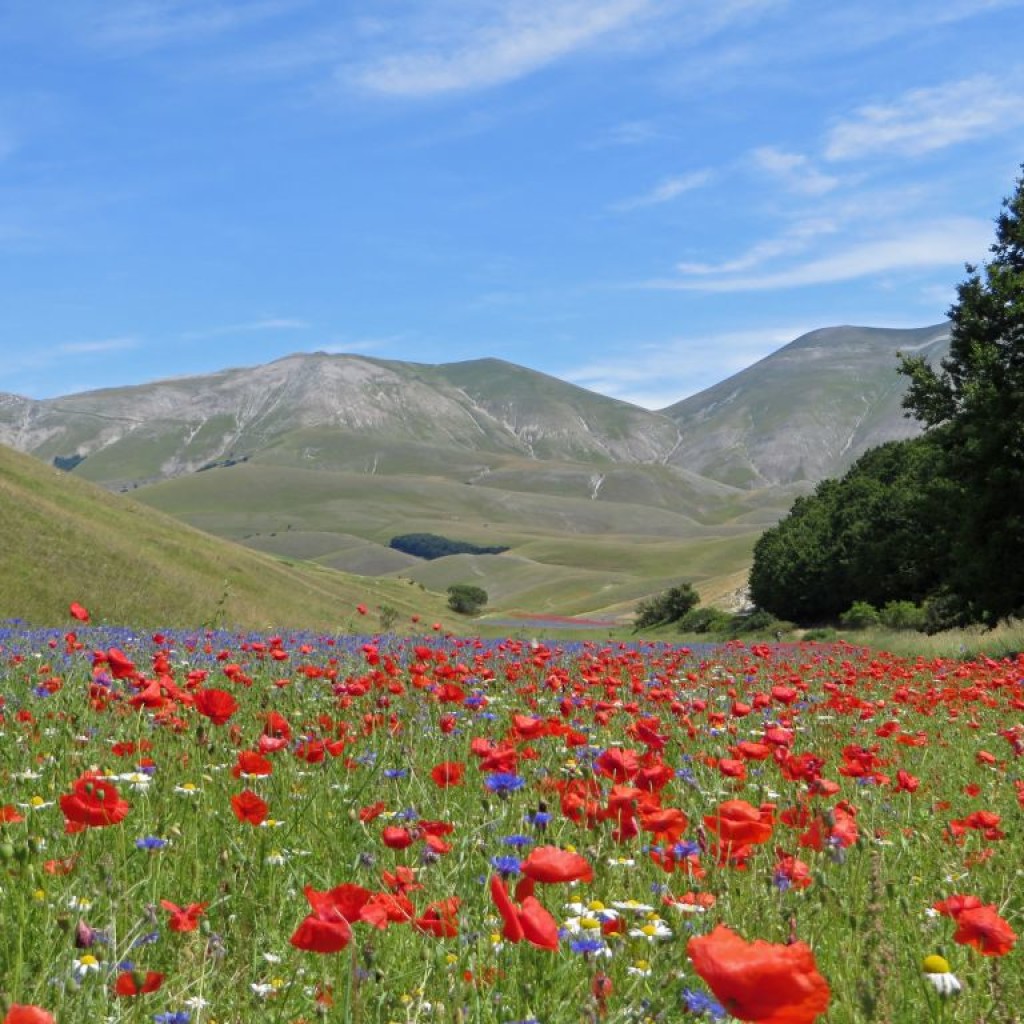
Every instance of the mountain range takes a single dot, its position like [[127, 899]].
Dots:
[[324, 458]]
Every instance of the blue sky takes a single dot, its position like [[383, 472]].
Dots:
[[640, 196]]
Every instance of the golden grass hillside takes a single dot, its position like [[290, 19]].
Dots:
[[65, 539]]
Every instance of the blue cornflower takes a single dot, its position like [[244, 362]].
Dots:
[[517, 840], [539, 819], [395, 773], [503, 783], [150, 843], [587, 946], [701, 1002], [172, 1017], [144, 940], [686, 848], [505, 866]]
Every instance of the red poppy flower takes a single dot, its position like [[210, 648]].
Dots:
[[529, 921], [92, 803], [739, 823], [183, 919], [9, 813], [617, 763], [216, 705], [134, 983], [121, 667], [249, 807], [395, 837], [985, 930], [551, 864], [372, 811], [21, 1014], [327, 929], [760, 981], [78, 612], [448, 773], [440, 919], [251, 762]]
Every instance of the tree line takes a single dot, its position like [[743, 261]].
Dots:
[[936, 522]]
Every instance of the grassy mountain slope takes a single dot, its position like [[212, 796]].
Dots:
[[125, 436], [806, 411], [66, 539], [325, 458]]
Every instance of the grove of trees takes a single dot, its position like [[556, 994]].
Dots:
[[937, 520], [433, 545]]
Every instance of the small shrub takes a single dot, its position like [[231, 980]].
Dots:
[[668, 607], [860, 615], [466, 599], [388, 617], [705, 620], [821, 634], [758, 621], [903, 615]]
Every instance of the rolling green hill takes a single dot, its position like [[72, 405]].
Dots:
[[324, 458], [68, 540]]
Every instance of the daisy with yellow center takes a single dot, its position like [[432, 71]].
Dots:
[[938, 974]]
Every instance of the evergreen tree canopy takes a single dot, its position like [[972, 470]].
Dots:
[[879, 534], [974, 409]]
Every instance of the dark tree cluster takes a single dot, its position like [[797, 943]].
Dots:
[[668, 607], [939, 519], [466, 599], [433, 545]]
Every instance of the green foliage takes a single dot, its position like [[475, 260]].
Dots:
[[758, 622], [860, 615], [466, 599], [938, 520], [433, 545], [879, 534], [821, 634], [67, 539], [974, 408], [903, 615], [668, 607], [388, 616], [705, 620]]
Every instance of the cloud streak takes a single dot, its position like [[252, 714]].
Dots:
[[521, 38], [141, 25], [268, 324], [944, 243], [665, 191], [101, 347], [924, 120]]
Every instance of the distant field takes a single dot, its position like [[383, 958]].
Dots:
[[568, 554]]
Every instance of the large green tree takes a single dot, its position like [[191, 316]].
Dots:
[[973, 406], [877, 535]]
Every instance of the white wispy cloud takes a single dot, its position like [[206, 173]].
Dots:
[[665, 191], [793, 170], [518, 38], [797, 238], [149, 24], [267, 324], [100, 347], [658, 374], [943, 243], [629, 133], [924, 120]]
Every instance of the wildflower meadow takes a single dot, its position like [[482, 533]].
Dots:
[[220, 828]]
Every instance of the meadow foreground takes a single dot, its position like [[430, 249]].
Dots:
[[211, 827]]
